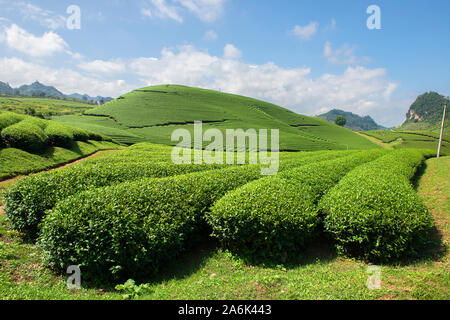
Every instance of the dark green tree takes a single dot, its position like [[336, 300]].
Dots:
[[340, 121]]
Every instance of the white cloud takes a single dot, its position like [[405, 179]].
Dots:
[[231, 52], [46, 45], [344, 55], [18, 72], [105, 67], [205, 10], [358, 89], [305, 32], [210, 35], [29, 11]]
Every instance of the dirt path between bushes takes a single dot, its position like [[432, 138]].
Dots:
[[59, 167], [376, 141], [10, 181]]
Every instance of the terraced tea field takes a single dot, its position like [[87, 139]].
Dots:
[[45, 106], [134, 215], [411, 139], [151, 114]]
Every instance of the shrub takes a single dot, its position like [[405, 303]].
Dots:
[[80, 134], [132, 228], [9, 118], [270, 219], [322, 176], [59, 135], [25, 135], [273, 218], [27, 201], [374, 212]]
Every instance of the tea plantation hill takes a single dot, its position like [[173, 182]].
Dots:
[[153, 113]]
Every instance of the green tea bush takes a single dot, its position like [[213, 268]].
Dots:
[[374, 213], [59, 135], [321, 177], [269, 220], [27, 201], [273, 218], [26, 135], [34, 134], [134, 228], [9, 118]]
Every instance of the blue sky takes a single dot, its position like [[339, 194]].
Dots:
[[309, 56]]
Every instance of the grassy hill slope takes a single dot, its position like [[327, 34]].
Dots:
[[153, 113]]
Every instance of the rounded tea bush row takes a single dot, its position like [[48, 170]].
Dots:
[[374, 213], [34, 134], [26, 135], [274, 218], [27, 201], [134, 228]]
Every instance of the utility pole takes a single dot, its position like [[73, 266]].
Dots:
[[442, 129]]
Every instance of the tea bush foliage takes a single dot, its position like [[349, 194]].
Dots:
[[274, 218], [134, 228], [35, 135], [27, 201], [374, 213]]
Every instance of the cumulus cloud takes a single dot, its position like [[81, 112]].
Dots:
[[305, 32], [46, 45], [343, 55], [18, 72], [205, 10], [105, 67], [231, 52], [357, 89]]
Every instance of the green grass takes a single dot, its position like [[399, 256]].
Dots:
[[206, 272], [153, 113], [45, 106], [15, 162]]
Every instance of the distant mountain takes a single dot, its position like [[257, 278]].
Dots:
[[426, 112], [5, 88], [37, 89], [354, 121], [85, 97]]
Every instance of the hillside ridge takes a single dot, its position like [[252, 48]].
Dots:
[[154, 112]]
